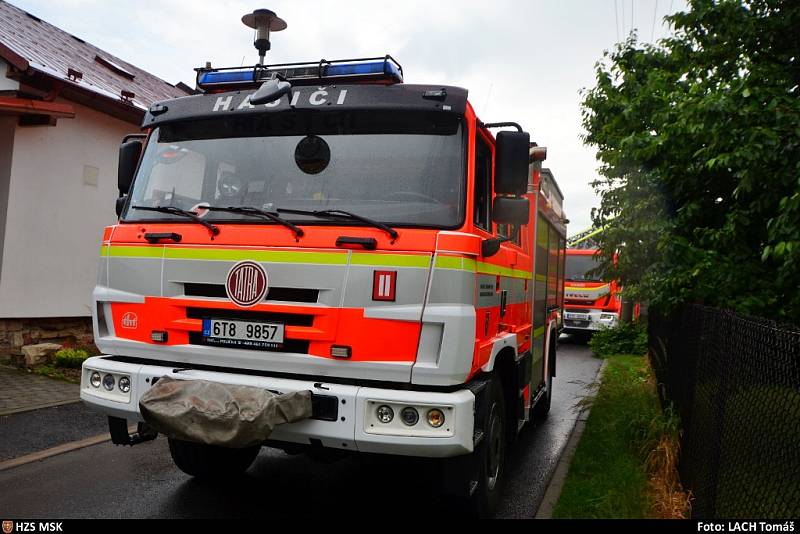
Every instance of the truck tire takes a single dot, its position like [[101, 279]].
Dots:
[[542, 408], [491, 455], [209, 461]]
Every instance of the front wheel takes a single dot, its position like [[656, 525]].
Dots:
[[210, 461], [490, 456]]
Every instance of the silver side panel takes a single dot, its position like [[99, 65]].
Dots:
[[141, 276], [447, 342]]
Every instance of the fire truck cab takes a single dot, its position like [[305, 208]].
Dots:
[[325, 227], [591, 302]]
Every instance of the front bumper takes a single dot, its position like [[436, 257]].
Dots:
[[355, 427], [588, 320]]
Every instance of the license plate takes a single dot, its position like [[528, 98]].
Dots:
[[243, 333], [576, 316]]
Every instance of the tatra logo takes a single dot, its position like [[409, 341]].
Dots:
[[130, 320], [246, 284], [8, 527]]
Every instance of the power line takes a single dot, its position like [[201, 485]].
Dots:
[[622, 3], [653, 31]]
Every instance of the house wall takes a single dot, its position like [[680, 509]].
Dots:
[[62, 189], [7, 128]]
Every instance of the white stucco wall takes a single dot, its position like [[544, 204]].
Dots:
[[55, 216]]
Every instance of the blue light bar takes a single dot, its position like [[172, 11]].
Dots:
[[225, 77], [386, 67], [383, 69]]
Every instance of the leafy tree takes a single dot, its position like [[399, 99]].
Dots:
[[699, 143]]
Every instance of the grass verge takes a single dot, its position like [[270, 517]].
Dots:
[[59, 373], [624, 466]]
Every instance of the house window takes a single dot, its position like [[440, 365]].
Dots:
[[482, 209]]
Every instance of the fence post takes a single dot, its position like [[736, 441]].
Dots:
[[626, 312]]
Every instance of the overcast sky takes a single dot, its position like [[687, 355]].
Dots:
[[522, 60]]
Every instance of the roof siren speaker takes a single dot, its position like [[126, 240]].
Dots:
[[263, 21]]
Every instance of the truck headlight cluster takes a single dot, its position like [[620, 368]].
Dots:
[[409, 417], [113, 383]]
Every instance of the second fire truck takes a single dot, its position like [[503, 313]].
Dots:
[[591, 302]]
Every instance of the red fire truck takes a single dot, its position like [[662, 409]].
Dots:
[[325, 228], [591, 303]]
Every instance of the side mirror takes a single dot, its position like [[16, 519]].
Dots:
[[511, 163], [270, 91], [511, 210], [129, 153], [121, 204], [490, 247]]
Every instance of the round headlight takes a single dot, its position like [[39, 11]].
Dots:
[[435, 418], [410, 416], [385, 414], [95, 379], [124, 384], [108, 382]]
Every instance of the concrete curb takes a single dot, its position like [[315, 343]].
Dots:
[[556, 484], [55, 451]]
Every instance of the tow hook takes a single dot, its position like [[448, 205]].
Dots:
[[118, 428]]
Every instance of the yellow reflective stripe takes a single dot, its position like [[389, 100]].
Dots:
[[449, 262], [390, 260], [488, 268], [541, 278], [272, 256], [468, 264], [597, 288], [539, 332], [133, 252]]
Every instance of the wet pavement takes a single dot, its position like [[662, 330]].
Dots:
[[33, 431], [105, 481], [21, 391]]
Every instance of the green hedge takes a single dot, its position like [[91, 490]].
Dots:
[[70, 358], [626, 338]]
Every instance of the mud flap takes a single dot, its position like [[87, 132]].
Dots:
[[220, 414], [460, 473]]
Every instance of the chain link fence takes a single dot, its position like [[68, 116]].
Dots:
[[734, 380]]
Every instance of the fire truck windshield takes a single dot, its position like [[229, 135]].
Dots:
[[402, 169], [579, 268]]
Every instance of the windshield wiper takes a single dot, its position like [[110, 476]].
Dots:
[[341, 214], [184, 213], [255, 212]]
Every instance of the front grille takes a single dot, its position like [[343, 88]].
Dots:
[[283, 294], [290, 319]]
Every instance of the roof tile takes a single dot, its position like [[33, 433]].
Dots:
[[53, 51]]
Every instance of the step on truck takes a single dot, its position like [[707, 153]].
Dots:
[[326, 228]]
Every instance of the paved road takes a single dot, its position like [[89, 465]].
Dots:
[[37, 430], [106, 481]]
